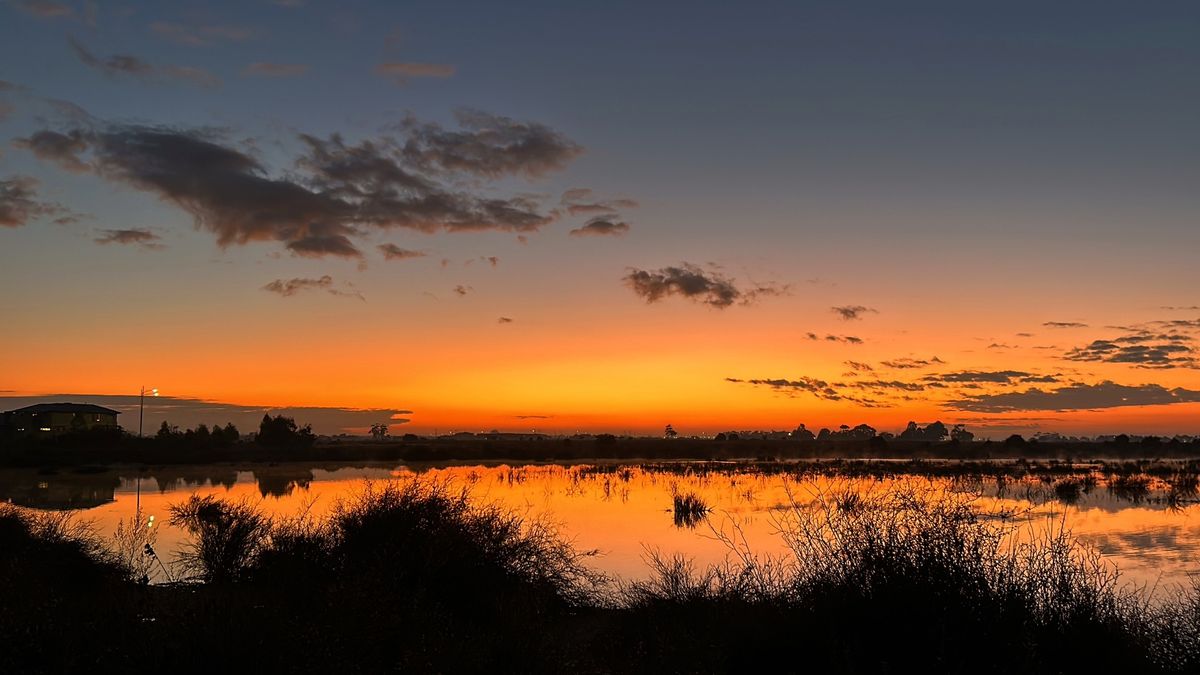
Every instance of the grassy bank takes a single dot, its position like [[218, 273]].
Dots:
[[415, 576]]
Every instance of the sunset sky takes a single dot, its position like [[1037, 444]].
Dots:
[[605, 216]]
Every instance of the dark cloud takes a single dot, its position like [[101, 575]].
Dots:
[[200, 36], [1179, 308], [819, 388], [487, 145], [491, 260], [1076, 396], [290, 287], [121, 65], [1186, 324], [188, 412], [1144, 349], [860, 366], [601, 226], [394, 252], [321, 245], [263, 69], [1041, 379], [847, 339], [1064, 324], [462, 290], [852, 312], [134, 237], [994, 376], [885, 384], [401, 73], [61, 149], [696, 284], [337, 190], [504, 319], [910, 364], [19, 203], [810, 385]]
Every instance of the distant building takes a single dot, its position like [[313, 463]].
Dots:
[[509, 436], [59, 418]]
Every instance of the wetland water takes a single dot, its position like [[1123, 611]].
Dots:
[[1148, 531]]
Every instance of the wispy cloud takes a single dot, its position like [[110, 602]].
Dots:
[[265, 69], [601, 226], [124, 65], [582, 201], [290, 287], [847, 339], [46, 9], [200, 35], [401, 72], [907, 363], [19, 203], [852, 312], [133, 237], [394, 252]]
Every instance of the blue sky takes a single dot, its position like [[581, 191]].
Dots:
[[991, 164]]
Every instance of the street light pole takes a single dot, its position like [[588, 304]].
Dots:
[[142, 407]]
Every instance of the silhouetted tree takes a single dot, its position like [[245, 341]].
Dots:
[[379, 431], [959, 433], [282, 432], [167, 432], [936, 432], [801, 433], [670, 432]]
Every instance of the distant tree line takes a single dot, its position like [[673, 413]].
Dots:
[[935, 432], [273, 432], [199, 438]]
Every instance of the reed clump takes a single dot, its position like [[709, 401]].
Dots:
[[689, 509]]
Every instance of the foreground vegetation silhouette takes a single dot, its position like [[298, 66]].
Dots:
[[415, 576]]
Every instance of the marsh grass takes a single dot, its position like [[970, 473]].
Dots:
[[415, 575], [907, 577]]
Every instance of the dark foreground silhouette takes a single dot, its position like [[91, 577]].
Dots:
[[412, 576]]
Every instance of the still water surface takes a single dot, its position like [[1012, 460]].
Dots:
[[624, 510]]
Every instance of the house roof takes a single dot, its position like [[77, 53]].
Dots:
[[86, 408]]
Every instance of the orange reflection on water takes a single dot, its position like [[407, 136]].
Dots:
[[623, 510]]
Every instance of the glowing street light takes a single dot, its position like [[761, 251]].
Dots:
[[142, 406]]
